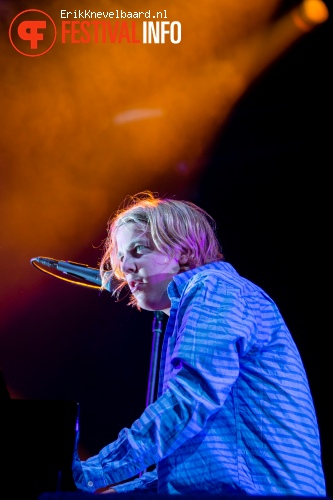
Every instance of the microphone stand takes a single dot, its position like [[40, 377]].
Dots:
[[86, 273], [154, 355], [157, 330], [82, 271]]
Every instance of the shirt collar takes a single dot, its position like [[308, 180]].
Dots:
[[179, 281]]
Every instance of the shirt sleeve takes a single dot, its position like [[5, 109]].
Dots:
[[147, 481], [202, 367]]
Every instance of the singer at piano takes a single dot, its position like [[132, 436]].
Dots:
[[234, 413]]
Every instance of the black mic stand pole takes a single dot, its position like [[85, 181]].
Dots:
[[157, 330]]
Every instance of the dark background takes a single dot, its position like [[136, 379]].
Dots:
[[267, 182]]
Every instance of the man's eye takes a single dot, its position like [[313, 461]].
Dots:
[[139, 248]]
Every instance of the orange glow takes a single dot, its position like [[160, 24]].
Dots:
[[85, 125], [310, 13]]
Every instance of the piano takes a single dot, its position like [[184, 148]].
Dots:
[[37, 441]]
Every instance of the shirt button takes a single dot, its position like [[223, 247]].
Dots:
[[90, 483]]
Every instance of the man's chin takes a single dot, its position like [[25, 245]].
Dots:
[[147, 306]]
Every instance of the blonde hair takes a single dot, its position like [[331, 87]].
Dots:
[[176, 227]]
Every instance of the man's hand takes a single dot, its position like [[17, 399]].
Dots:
[[108, 489]]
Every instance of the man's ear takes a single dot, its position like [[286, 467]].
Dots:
[[183, 259]]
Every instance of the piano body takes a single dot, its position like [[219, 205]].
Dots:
[[37, 440]]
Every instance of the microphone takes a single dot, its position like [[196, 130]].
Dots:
[[80, 271]]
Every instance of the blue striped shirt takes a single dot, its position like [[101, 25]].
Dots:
[[234, 413]]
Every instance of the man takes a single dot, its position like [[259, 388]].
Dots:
[[234, 414]]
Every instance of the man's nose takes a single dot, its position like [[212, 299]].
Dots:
[[128, 264]]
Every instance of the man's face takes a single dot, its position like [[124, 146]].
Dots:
[[147, 270]]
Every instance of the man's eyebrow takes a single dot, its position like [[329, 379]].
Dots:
[[139, 241]]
